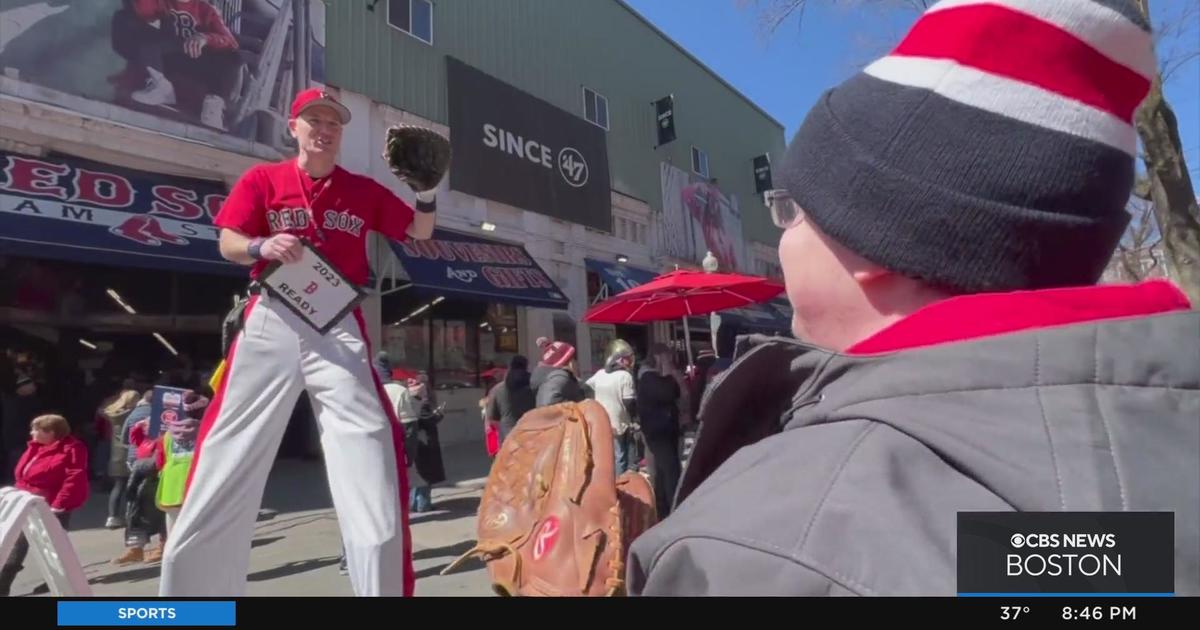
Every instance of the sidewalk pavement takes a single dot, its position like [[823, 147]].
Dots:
[[296, 543]]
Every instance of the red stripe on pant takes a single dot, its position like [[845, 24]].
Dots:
[[214, 407], [401, 468]]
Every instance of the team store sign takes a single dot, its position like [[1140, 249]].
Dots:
[[141, 210]]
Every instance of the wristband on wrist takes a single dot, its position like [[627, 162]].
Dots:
[[254, 249], [426, 207]]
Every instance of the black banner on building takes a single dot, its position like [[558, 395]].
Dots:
[[664, 116], [520, 150], [762, 173]]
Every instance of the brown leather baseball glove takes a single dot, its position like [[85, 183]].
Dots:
[[417, 155], [554, 520]]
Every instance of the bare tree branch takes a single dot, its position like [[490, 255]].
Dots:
[[1141, 188], [772, 14], [1175, 41], [1169, 66]]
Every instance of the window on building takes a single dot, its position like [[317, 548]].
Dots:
[[699, 162], [414, 17], [595, 108], [631, 230], [455, 346], [458, 342], [769, 269]]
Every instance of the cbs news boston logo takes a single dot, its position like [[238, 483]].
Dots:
[[1066, 553]]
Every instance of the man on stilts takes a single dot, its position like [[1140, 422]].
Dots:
[[273, 212]]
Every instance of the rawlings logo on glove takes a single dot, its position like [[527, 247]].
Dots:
[[554, 519]]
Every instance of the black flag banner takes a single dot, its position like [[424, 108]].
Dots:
[[665, 119], [762, 173]]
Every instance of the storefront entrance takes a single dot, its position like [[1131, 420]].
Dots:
[[109, 274], [454, 308]]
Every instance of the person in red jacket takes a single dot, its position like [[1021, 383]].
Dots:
[[54, 467], [179, 53]]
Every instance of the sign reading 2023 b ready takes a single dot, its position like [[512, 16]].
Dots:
[[1066, 553], [522, 151]]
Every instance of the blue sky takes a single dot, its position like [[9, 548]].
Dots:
[[784, 73]]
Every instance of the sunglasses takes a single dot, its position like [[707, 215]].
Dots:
[[785, 212]]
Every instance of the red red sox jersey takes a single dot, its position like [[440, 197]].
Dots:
[[273, 198], [188, 19]]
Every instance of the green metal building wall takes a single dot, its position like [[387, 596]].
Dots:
[[551, 49]]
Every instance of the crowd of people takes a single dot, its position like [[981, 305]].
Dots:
[[650, 402], [56, 451]]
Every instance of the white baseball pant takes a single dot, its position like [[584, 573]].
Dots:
[[274, 358]]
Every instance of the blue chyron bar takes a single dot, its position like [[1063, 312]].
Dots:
[[153, 613]]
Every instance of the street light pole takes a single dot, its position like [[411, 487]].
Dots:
[[710, 264]]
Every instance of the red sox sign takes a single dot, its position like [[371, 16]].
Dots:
[[60, 202]]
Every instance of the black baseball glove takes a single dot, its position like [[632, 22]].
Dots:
[[417, 155]]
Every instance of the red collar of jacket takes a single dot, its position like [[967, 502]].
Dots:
[[974, 316], [56, 445]]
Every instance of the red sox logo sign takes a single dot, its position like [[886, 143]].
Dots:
[[185, 24], [311, 288], [545, 538], [169, 416], [147, 231]]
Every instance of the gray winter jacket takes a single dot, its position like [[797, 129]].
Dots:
[[816, 473], [560, 385]]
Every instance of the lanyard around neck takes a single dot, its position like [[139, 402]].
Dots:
[[309, 201]]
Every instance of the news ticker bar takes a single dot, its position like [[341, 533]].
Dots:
[[269, 612]]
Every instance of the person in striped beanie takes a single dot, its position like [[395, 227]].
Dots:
[[560, 380], [947, 214]]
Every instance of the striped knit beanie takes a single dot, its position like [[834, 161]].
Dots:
[[991, 150], [558, 354]]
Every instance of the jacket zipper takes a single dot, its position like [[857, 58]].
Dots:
[[25, 471]]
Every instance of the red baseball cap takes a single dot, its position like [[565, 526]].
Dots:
[[313, 97]]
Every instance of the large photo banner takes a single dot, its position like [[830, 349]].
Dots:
[[214, 70], [698, 218]]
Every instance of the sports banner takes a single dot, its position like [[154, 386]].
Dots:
[[698, 218]]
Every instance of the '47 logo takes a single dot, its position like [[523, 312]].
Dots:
[[573, 167], [462, 275]]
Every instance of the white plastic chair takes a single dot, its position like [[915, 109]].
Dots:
[[49, 545]]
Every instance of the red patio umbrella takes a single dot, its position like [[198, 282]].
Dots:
[[681, 294], [401, 375]]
